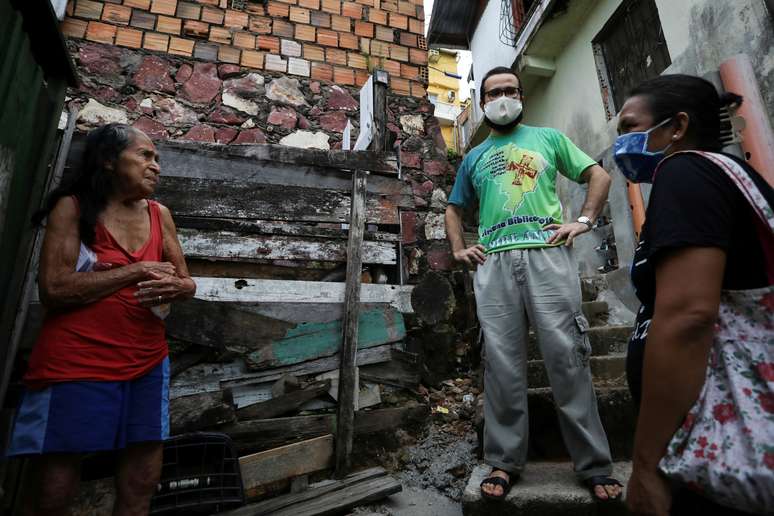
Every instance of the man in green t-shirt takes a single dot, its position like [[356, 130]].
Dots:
[[526, 275]]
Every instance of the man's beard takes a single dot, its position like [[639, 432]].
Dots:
[[504, 128]]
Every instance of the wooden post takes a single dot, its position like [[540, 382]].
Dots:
[[381, 134], [345, 418], [345, 421]]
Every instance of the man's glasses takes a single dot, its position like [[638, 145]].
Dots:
[[496, 93]]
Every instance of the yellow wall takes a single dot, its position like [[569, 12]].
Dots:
[[440, 84]]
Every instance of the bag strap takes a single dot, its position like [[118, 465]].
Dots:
[[765, 214]]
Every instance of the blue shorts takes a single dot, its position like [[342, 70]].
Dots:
[[83, 417]]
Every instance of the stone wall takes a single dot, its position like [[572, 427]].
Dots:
[[181, 99], [335, 40]]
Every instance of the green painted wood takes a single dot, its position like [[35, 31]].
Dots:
[[34, 74], [308, 341]]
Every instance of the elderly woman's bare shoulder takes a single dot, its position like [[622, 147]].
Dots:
[[66, 208]]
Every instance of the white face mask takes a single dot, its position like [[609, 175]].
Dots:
[[503, 110]]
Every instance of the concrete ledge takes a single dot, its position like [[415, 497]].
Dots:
[[545, 489], [604, 340], [605, 370]]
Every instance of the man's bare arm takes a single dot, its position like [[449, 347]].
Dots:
[[461, 253]]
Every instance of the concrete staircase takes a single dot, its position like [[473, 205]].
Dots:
[[548, 486]]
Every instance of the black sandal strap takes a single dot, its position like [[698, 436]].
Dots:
[[602, 481], [496, 481]]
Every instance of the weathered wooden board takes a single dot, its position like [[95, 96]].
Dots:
[[275, 270], [200, 411], [395, 372], [285, 462], [334, 503], [268, 342], [283, 291], [183, 157], [308, 341], [281, 228], [364, 356], [193, 197], [264, 434], [269, 507], [284, 404], [227, 245]]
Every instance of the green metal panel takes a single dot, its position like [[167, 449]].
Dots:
[[34, 73]]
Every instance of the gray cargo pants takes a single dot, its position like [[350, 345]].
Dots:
[[540, 286]]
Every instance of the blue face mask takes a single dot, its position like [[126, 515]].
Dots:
[[632, 156]]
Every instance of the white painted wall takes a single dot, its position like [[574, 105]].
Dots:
[[486, 48]]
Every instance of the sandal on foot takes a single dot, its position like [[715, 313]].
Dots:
[[496, 481], [603, 481]]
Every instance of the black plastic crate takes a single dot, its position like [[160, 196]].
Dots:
[[200, 475]]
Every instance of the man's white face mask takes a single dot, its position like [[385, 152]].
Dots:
[[503, 110]]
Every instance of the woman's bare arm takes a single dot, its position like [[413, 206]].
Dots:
[[173, 288], [59, 283]]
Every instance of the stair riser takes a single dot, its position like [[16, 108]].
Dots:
[[607, 370], [604, 340], [545, 439]]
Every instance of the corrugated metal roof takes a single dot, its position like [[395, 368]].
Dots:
[[450, 23]]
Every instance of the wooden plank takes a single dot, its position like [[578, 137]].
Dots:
[[200, 411], [281, 228], [285, 462], [364, 356], [20, 336], [380, 131], [344, 499], [272, 342], [351, 327], [283, 291], [193, 197], [268, 507], [395, 372], [181, 156], [275, 270], [264, 434], [226, 245], [223, 325], [282, 405], [308, 341]]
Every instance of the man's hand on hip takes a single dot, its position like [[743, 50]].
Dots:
[[471, 255], [566, 231]]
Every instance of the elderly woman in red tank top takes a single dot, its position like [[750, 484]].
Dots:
[[98, 377]]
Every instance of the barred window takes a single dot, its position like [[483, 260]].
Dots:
[[629, 49]]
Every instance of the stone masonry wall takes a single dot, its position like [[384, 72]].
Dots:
[[188, 85], [176, 98], [331, 40]]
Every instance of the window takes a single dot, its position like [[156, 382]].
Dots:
[[629, 49]]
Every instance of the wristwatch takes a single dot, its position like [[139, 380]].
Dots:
[[585, 220]]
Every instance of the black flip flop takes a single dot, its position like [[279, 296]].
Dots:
[[496, 481], [593, 482]]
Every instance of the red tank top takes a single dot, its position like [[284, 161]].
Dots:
[[112, 339]]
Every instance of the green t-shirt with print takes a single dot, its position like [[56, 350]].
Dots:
[[514, 179]]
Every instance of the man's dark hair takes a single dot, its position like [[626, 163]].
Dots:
[[668, 95], [497, 70], [91, 182]]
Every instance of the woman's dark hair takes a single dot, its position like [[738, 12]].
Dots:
[[497, 70], [91, 183], [668, 95]]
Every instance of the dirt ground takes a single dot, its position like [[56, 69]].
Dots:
[[435, 465]]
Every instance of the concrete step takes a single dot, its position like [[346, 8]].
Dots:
[[604, 340], [616, 411], [544, 489], [596, 312], [545, 439], [607, 371]]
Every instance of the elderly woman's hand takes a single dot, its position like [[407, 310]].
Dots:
[[153, 270], [164, 289]]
